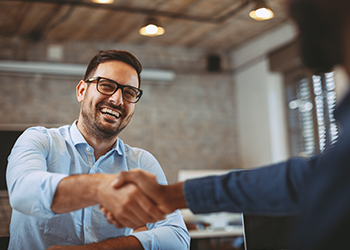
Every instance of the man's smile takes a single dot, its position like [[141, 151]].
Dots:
[[110, 112]]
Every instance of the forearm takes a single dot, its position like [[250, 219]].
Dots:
[[79, 191], [122, 243], [248, 191]]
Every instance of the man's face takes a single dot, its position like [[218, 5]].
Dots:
[[105, 116]]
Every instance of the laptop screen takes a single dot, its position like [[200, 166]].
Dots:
[[267, 232]]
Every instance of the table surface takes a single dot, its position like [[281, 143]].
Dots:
[[217, 233]]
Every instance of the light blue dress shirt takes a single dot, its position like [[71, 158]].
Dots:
[[41, 158]]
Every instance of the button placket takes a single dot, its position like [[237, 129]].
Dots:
[[87, 225], [90, 156]]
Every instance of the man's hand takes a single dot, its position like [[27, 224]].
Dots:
[[129, 206], [167, 197]]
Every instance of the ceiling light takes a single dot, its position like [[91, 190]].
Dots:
[[152, 28], [261, 12], [103, 1]]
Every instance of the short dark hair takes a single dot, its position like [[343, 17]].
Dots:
[[321, 25], [113, 55]]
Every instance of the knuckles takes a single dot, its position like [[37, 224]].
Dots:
[[148, 208]]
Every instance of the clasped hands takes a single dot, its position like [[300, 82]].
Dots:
[[142, 199]]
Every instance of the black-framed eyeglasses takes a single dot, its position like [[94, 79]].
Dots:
[[109, 87]]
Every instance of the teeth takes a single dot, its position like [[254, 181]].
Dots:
[[110, 112]]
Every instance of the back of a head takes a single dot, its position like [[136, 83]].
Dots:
[[321, 24]]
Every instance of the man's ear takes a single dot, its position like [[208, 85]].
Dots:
[[81, 89]]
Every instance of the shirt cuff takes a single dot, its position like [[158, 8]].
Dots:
[[47, 192], [199, 195], [147, 240]]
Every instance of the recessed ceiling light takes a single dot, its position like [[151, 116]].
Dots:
[[261, 12], [103, 1], [152, 28]]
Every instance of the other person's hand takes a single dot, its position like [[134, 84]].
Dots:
[[167, 197], [127, 205]]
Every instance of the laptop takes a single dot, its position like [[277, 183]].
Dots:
[[267, 232]]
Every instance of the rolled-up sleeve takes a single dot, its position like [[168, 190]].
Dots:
[[31, 188], [170, 234]]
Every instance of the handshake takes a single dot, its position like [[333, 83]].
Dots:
[[141, 199]]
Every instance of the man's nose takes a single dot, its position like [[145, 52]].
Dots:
[[117, 97]]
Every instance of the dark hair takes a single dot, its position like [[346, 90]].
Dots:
[[320, 23], [113, 55]]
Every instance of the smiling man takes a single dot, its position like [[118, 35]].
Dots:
[[57, 178]]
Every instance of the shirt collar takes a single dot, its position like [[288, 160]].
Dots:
[[78, 138]]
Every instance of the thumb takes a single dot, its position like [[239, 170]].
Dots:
[[120, 180], [144, 180]]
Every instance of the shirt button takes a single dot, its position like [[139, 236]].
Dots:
[[93, 167], [87, 228], [88, 149]]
